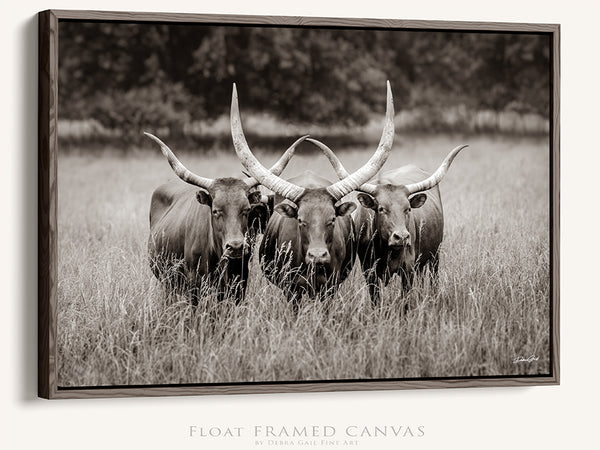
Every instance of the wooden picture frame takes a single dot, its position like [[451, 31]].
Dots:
[[48, 386]]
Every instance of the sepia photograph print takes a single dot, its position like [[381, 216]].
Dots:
[[238, 204]]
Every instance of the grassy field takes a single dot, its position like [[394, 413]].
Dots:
[[491, 305]]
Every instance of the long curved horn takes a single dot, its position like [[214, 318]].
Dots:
[[366, 172], [337, 165], [180, 170], [249, 161], [437, 176], [340, 170], [278, 167]]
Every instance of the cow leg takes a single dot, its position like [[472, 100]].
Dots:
[[406, 275], [369, 265], [229, 288], [294, 296], [224, 286], [434, 272], [172, 284], [373, 283], [243, 281], [195, 295], [325, 296], [434, 265], [191, 282], [170, 274], [233, 279], [430, 268], [239, 290]]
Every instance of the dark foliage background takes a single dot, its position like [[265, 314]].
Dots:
[[130, 76]]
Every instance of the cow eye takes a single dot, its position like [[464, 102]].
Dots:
[[381, 209], [216, 212]]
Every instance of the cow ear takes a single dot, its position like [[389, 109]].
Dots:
[[204, 198], [367, 201], [345, 208], [416, 201], [254, 197], [287, 210]]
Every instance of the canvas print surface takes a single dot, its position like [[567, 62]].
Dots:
[[204, 239]]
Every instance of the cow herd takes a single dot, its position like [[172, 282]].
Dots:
[[312, 233]]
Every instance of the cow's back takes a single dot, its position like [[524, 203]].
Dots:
[[165, 197], [179, 225]]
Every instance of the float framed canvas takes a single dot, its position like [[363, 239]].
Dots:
[[164, 269]]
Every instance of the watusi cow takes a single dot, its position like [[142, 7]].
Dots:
[[199, 235], [399, 223], [310, 224]]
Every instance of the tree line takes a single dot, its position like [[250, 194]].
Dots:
[[129, 75]]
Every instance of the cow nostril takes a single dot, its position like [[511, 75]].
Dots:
[[396, 238], [234, 245], [399, 238], [317, 255]]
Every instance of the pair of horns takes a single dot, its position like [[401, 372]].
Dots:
[[270, 178], [206, 183], [413, 188], [293, 192]]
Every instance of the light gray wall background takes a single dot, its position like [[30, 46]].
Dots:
[[543, 417]]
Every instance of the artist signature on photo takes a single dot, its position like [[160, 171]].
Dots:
[[520, 359]]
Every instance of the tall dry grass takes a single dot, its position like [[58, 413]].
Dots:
[[116, 326]]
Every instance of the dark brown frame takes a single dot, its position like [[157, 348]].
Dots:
[[47, 208]]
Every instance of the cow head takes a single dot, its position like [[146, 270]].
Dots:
[[316, 212], [315, 209], [392, 206], [231, 201]]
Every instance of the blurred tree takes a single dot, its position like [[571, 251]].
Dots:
[[128, 75]]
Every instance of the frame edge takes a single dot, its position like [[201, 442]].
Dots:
[[555, 249], [47, 175], [157, 16], [299, 388], [47, 204]]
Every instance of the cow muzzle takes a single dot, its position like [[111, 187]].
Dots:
[[318, 256], [399, 239], [235, 249]]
